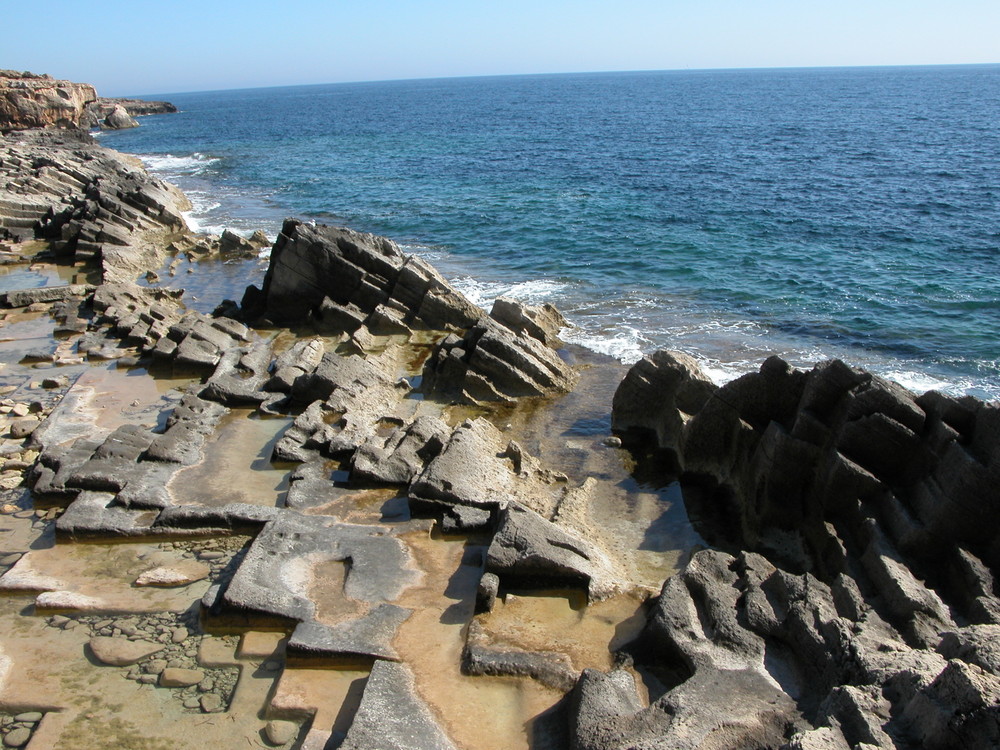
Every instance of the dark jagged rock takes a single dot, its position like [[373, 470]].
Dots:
[[134, 107], [657, 396], [341, 277]]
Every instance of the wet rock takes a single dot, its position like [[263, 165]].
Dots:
[[17, 737], [26, 297], [543, 322], [480, 657], [280, 732], [369, 635], [178, 677], [176, 575], [120, 652], [211, 703], [392, 714]]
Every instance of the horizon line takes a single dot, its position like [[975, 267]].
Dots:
[[573, 73]]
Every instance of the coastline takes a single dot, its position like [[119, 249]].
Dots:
[[857, 263], [600, 564]]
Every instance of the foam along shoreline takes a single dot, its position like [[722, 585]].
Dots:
[[821, 575], [625, 328]]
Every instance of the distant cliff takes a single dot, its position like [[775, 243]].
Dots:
[[29, 100]]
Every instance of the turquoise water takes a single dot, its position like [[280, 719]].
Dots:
[[732, 214]]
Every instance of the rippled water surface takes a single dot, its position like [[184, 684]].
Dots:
[[731, 214]]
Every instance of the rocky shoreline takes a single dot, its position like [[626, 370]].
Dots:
[[354, 510]]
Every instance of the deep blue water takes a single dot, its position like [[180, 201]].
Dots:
[[731, 214]]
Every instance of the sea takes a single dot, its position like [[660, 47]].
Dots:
[[731, 214]]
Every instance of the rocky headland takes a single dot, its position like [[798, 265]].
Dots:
[[352, 509]]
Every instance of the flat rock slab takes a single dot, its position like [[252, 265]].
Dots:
[[120, 652], [392, 714], [175, 575]]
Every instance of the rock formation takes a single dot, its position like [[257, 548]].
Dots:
[[39, 101], [91, 202], [864, 565], [118, 119]]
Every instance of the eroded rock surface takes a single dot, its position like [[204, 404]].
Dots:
[[29, 100]]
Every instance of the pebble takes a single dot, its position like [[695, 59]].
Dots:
[[147, 679], [31, 717], [17, 737], [271, 666], [156, 666], [179, 635], [19, 410], [211, 703], [211, 555], [192, 703], [613, 442]]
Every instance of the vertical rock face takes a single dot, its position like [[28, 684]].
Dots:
[[862, 520], [39, 101]]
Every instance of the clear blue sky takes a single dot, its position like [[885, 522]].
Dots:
[[140, 47]]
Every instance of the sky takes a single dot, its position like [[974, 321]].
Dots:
[[139, 47]]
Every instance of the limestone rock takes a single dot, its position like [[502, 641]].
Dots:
[[173, 576], [392, 714], [39, 101], [527, 549], [179, 677], [119, 119], [492, 363], [280, 732], [120, 652], [543, 322], [478, 468]]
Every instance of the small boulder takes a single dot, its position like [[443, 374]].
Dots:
[[119, 652], [119, 119], [179, 677]]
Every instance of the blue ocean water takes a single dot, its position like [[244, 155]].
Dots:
[[732, 214]]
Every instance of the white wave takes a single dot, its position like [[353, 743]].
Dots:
[[174, 165], [918, 382], [199, 225], [482, 293], [627, 346]]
